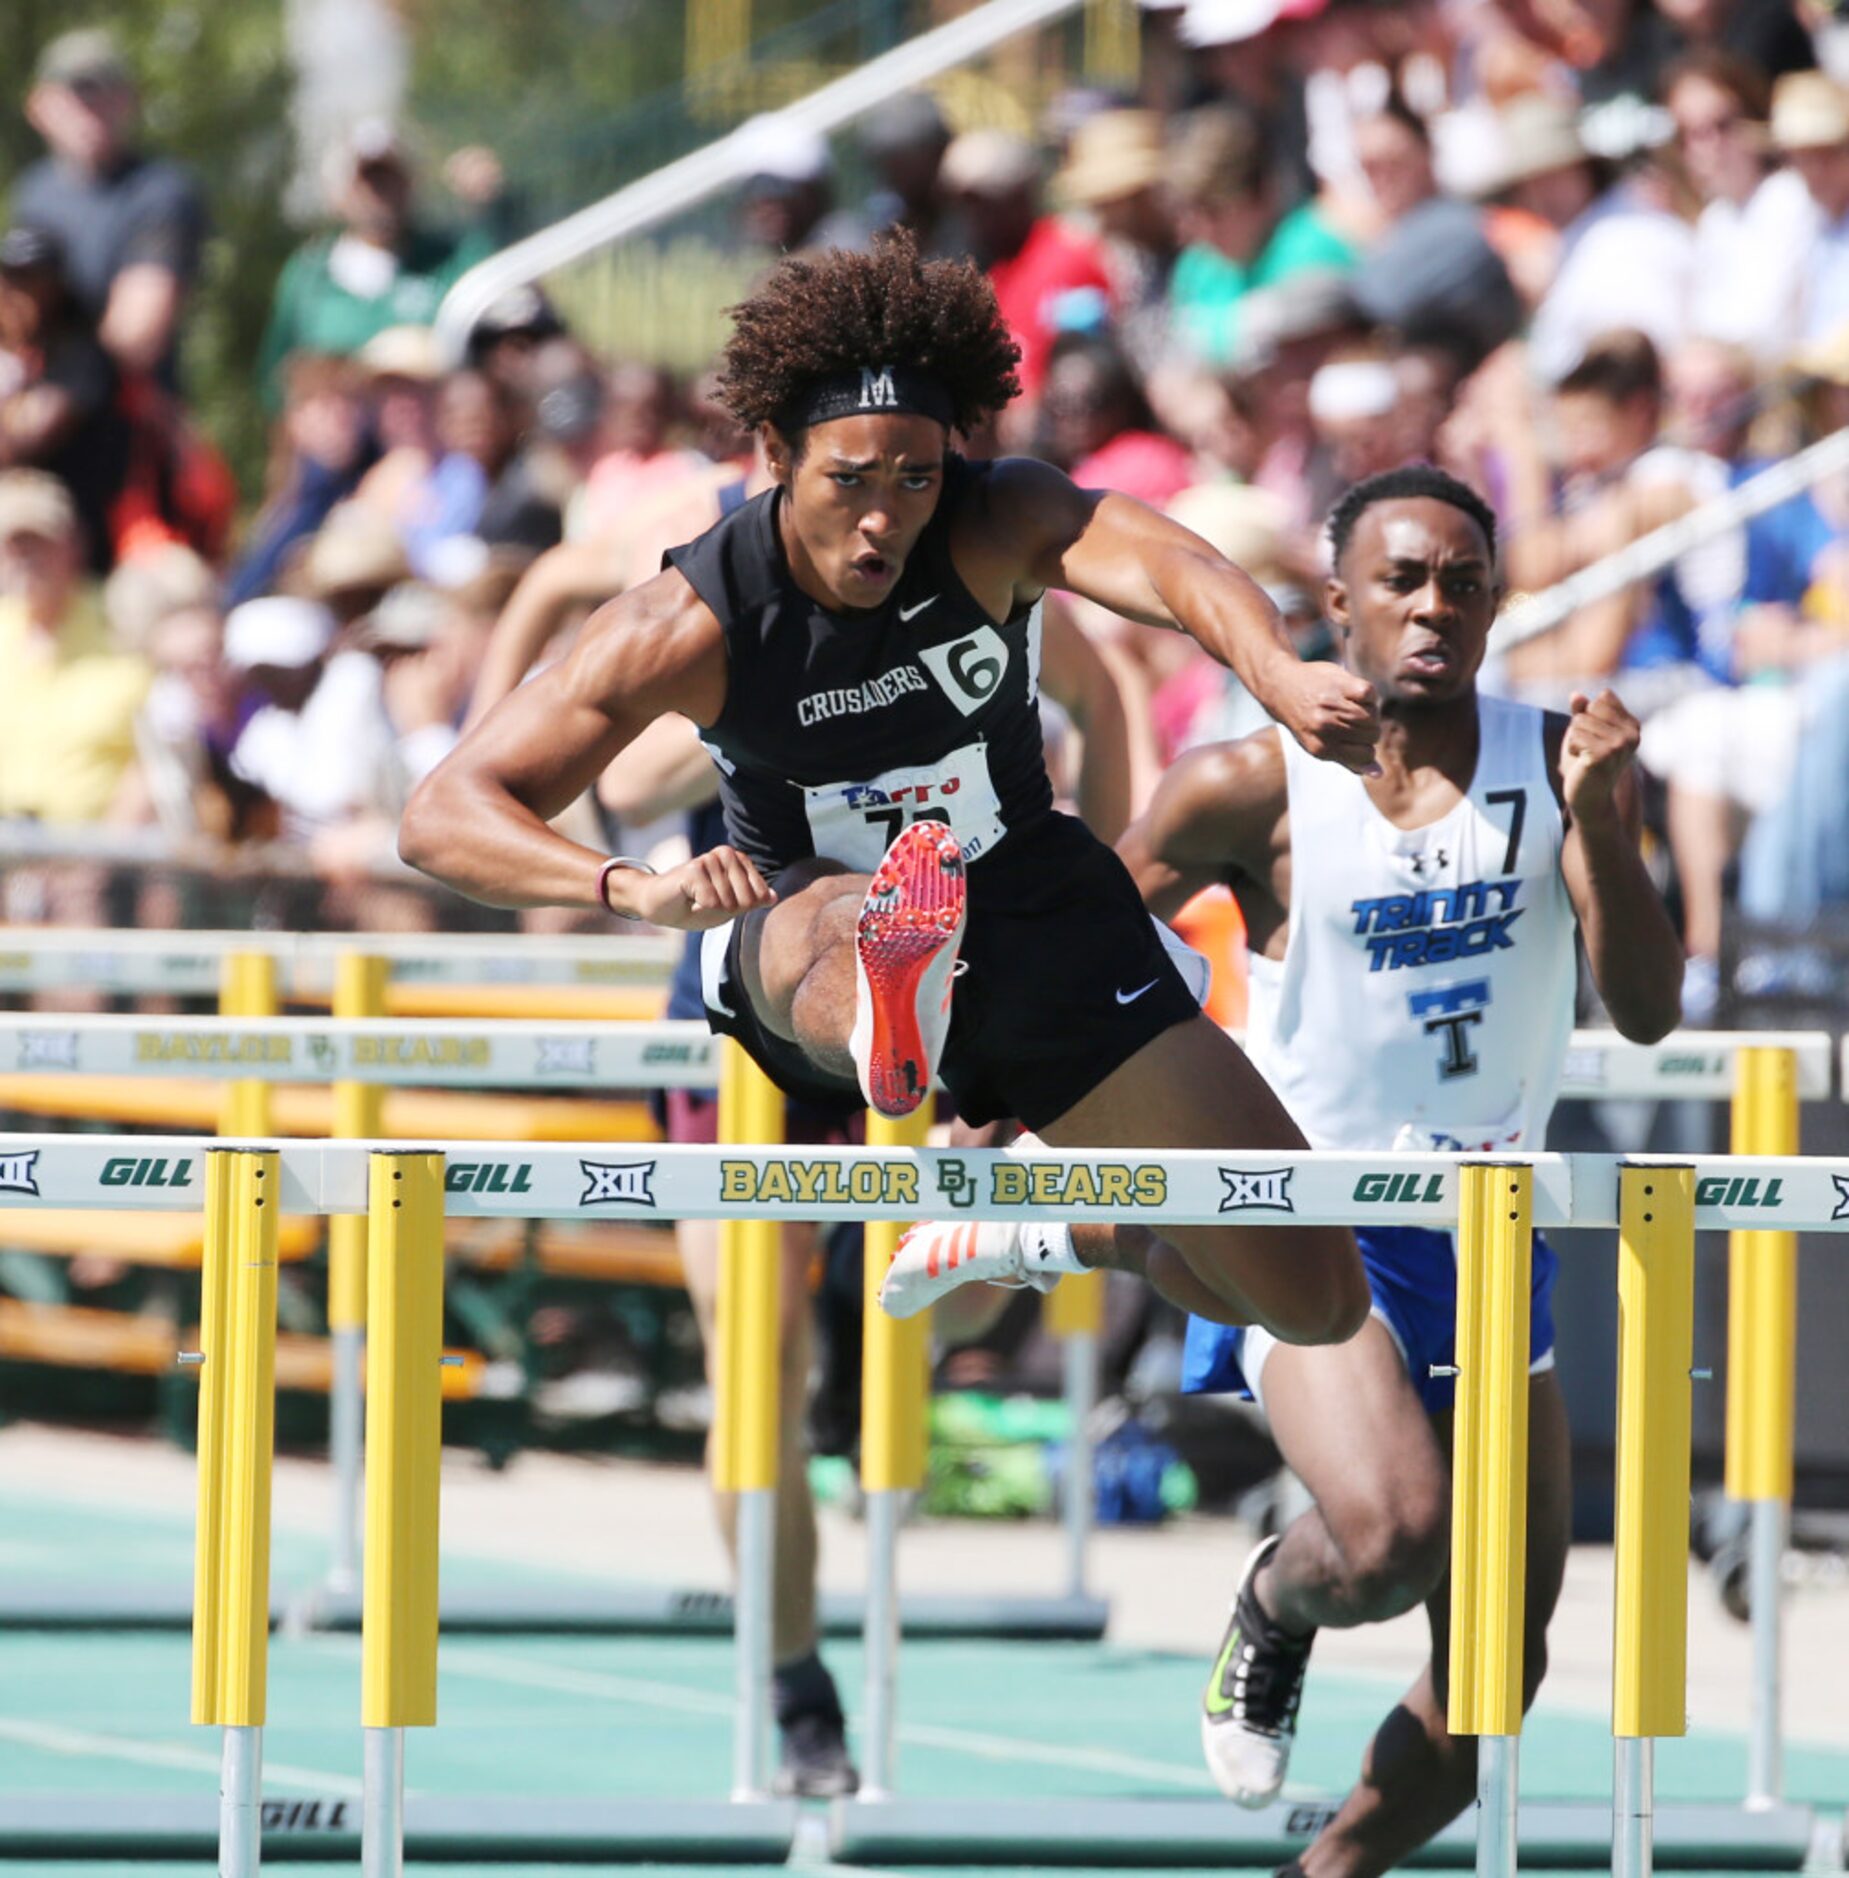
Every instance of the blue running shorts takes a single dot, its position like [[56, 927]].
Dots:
[[1412, 1273]]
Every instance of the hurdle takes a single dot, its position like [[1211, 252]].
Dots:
[[1492, 1206], [360, 1053], [1657, 1206]]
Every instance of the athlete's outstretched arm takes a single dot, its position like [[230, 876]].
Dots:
[[1128, 557], [1215, 812], [478, 822], [1633, 950]]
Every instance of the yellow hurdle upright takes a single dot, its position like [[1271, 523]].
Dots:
[[215, 1269], [359, 1110], [744, 1454], [237, 1419], [1656, 1345], [1762, 1351], [1656, 1342], [247, 988], [894, 1390], [404, 1440], [1489, 1507]]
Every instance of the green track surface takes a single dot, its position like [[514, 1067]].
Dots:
[[101, 1712]]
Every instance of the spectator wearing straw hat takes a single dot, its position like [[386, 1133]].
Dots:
[[1623, 261], [67, 708], [1810, 125], [1113, 175], [131, 225]]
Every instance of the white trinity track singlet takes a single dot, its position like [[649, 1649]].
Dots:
[[1425, 997]]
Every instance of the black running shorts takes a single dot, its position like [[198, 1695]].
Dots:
[[1066, 978]]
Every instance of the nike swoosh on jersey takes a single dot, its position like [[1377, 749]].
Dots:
[[1214, 1701], [1130, 997], [912, 612]]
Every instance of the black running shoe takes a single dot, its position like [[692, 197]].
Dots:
[[816, 1763], [1249, 1711]]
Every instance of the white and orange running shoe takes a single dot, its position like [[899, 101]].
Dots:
[[905, 947], [936, 1256]]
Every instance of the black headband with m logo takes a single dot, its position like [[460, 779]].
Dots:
[[868, 391]]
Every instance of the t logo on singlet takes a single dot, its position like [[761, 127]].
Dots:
[[877, 391], [1449, 1013]]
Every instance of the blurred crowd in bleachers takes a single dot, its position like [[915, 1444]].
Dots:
[[1593, 255]]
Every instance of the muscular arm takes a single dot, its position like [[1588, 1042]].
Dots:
[[1633, 950], [478, 822], [1215, 811], [1074, 674], [1137, 562]]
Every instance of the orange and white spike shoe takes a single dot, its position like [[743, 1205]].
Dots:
[[905, 950], [936, 1256]]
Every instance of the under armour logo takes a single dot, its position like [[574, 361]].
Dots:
[[566, 1056], [19, 1173], [617, 1183], [48, 1049], [1265, 1191], [877, 391], [1842, 1196], [1437, 860]]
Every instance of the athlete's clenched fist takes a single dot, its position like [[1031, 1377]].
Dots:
[[1599, 745], [707, 891], [1331, 712]]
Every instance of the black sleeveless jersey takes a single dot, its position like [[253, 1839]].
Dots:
[[838, 729]]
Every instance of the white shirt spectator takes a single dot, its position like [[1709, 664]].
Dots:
[[332, 759], [1826, 270], [1622, 263], [1749, 267]]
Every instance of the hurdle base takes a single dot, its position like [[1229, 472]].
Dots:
[[621, 1610], [1561, 1835], [452, 1829], [645, 1610]]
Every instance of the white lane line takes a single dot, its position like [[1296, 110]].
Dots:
[[523, 1672], [84, 1744]]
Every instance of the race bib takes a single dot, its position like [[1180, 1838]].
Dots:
[[855, 822], [1467, 1138]]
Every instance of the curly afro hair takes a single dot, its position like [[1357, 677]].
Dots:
[[842, 309]]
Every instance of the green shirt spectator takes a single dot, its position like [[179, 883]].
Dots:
[[1207, 284], [380, 268], [1240, 228]]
